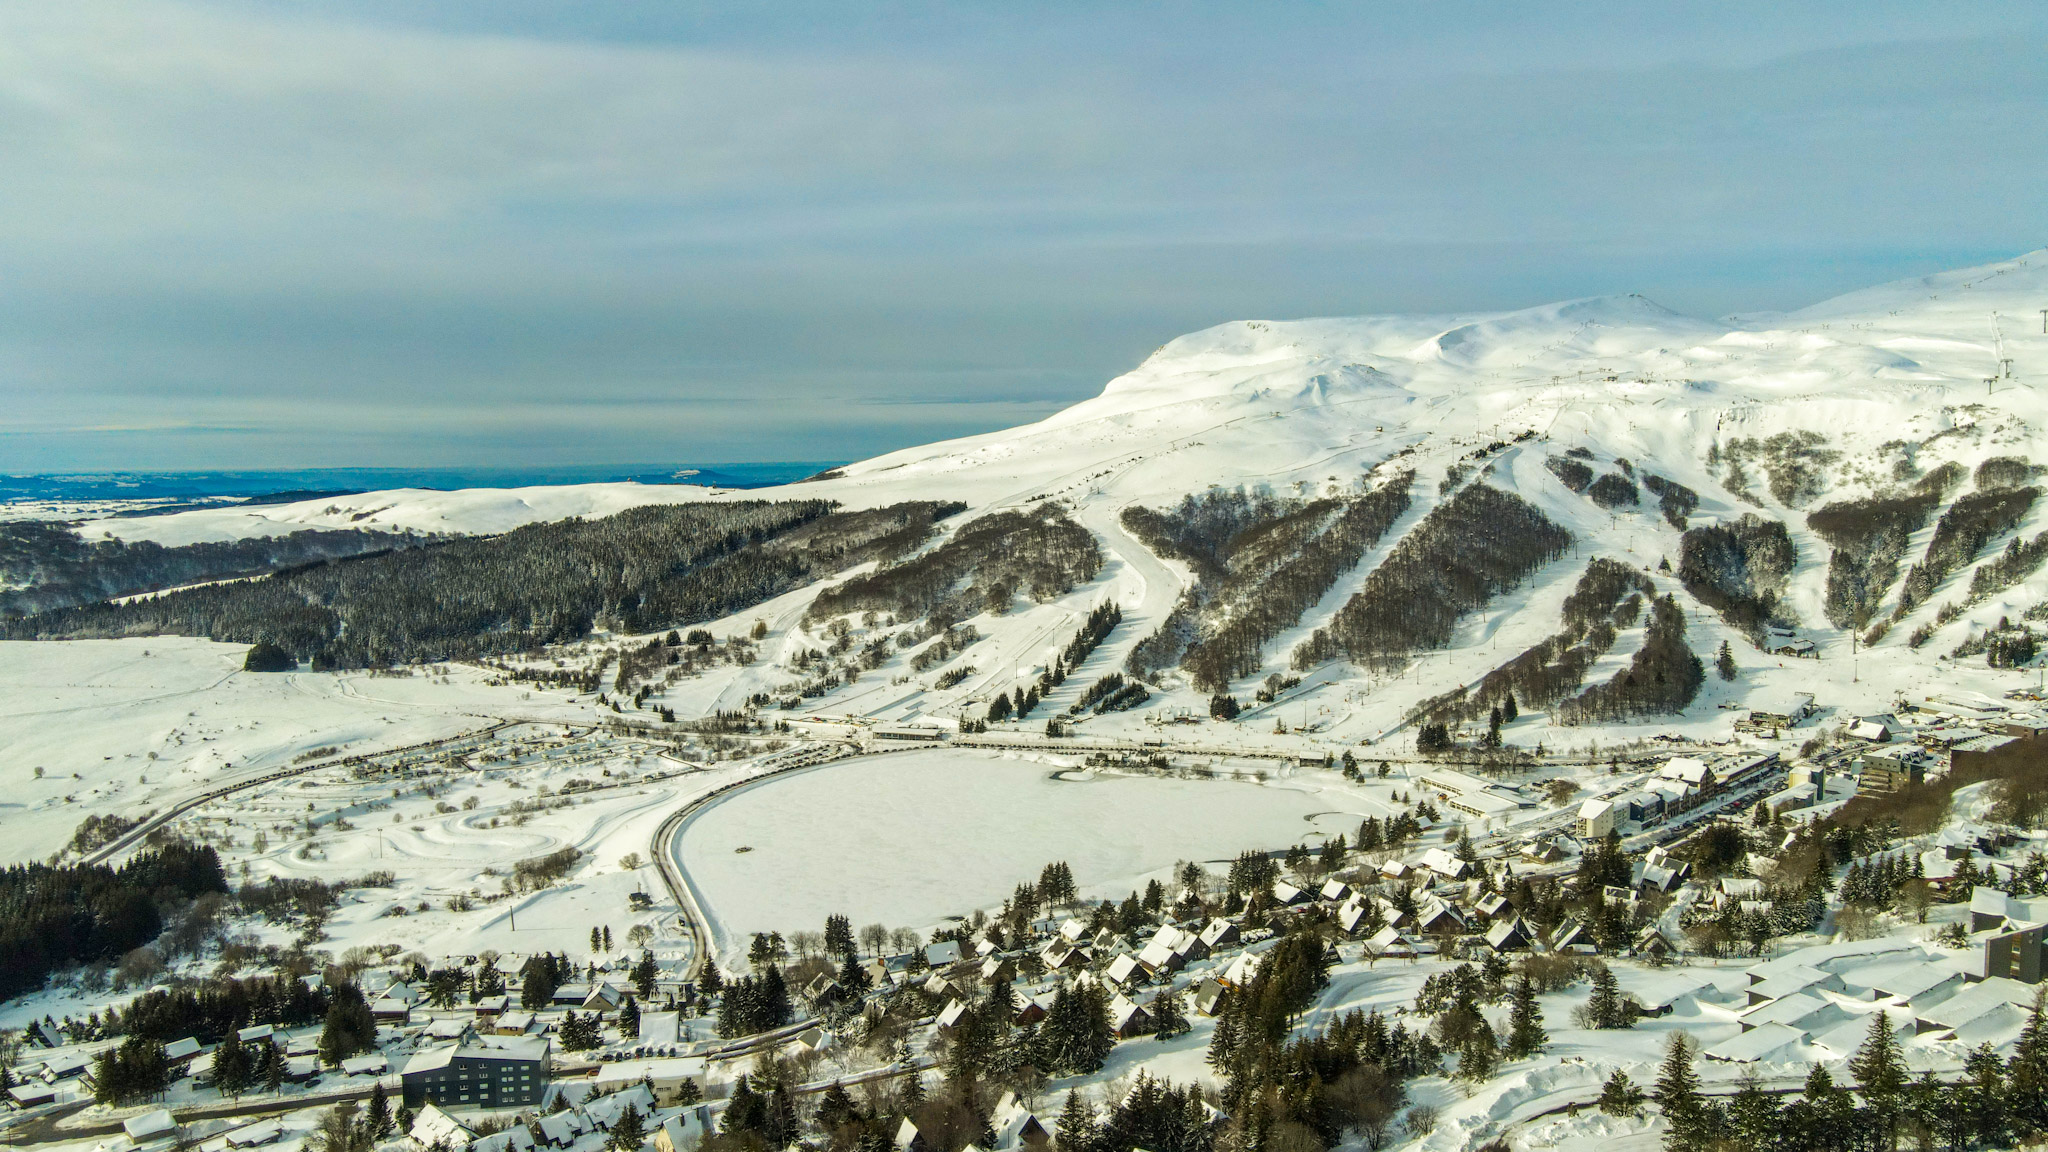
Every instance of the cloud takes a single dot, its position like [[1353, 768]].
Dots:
[[339, 233]]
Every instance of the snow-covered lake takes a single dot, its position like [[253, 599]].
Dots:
[[912, 838]]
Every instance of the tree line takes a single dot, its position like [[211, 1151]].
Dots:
[[1739, 570], [1280, 571], [1608, 598], [56, 917], [46, 565], [639, 570], [1476, 545], [983, 566]]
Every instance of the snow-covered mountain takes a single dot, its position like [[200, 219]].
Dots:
[[1865, 394]]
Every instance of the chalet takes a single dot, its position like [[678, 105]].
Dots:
[[1219, 933], [997, 969], [604, 997], [1650, 942], [561, 1129], [516, 1022], [1336, 891], [1394, 869], [909, 1139], [1058, 955], [254, 1135], [1785, 712], [1123, 970], [1073, 931], [1208, 996], [1435, 916], [1568, 933], [571, 995], [1444, 864], [450, 1028], [951, 1015], [1287, 895], [434, 1128], [1993, 910], [1354, 914], [1015, 1126], [1241, 969], [1508, 935], [1127, 1019], [368, 1064], [517, 1138], [181, 1052], [489, 1008], [682, 1132], [1033, 1009], [942, 953], [1493, 906], [150, 1126]]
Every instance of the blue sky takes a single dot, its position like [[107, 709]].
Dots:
[[257, 235]]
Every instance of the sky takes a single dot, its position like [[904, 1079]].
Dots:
[[241, 234]]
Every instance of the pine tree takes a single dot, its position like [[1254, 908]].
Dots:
[[1076, 1129], [273, 1065], [1880, 1074], [377, 1117], [1753, 1114], [1605, 1006], [745, 1112], [233, 1070], [349, 1028], [607, 939], [1724, 662], [629, 1019], [1525, 1022], [1678, 1097], [628, 1131], [595, 940], [1619, 1096], [1168, 1020], [839, 935]]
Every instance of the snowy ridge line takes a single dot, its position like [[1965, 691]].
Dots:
[[128, 839]]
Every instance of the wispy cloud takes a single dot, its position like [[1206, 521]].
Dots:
[[380, 233]]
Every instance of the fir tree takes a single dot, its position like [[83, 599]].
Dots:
[[628, 1132], [377, 1117], [1619, 1096], [1076, 1128], [1525, 1022], [1168, 1020], [1724, 662], [349, 1028], [1678, 1097], [1880, 1074], [233, 1069], [629, 1019]]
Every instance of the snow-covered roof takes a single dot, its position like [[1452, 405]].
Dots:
[[150, 1125], [1771, 1041]]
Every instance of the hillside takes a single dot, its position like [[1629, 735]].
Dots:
[[1466, 468]]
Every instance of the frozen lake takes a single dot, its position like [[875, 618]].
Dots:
[[910, 839]]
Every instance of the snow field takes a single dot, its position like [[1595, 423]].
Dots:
[[914, 837]]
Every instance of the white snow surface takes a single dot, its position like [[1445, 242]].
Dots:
[[907, 838]]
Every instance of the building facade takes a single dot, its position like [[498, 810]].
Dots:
[[504, 1072]]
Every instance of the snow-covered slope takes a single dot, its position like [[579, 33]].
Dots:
[[1893, 380]]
